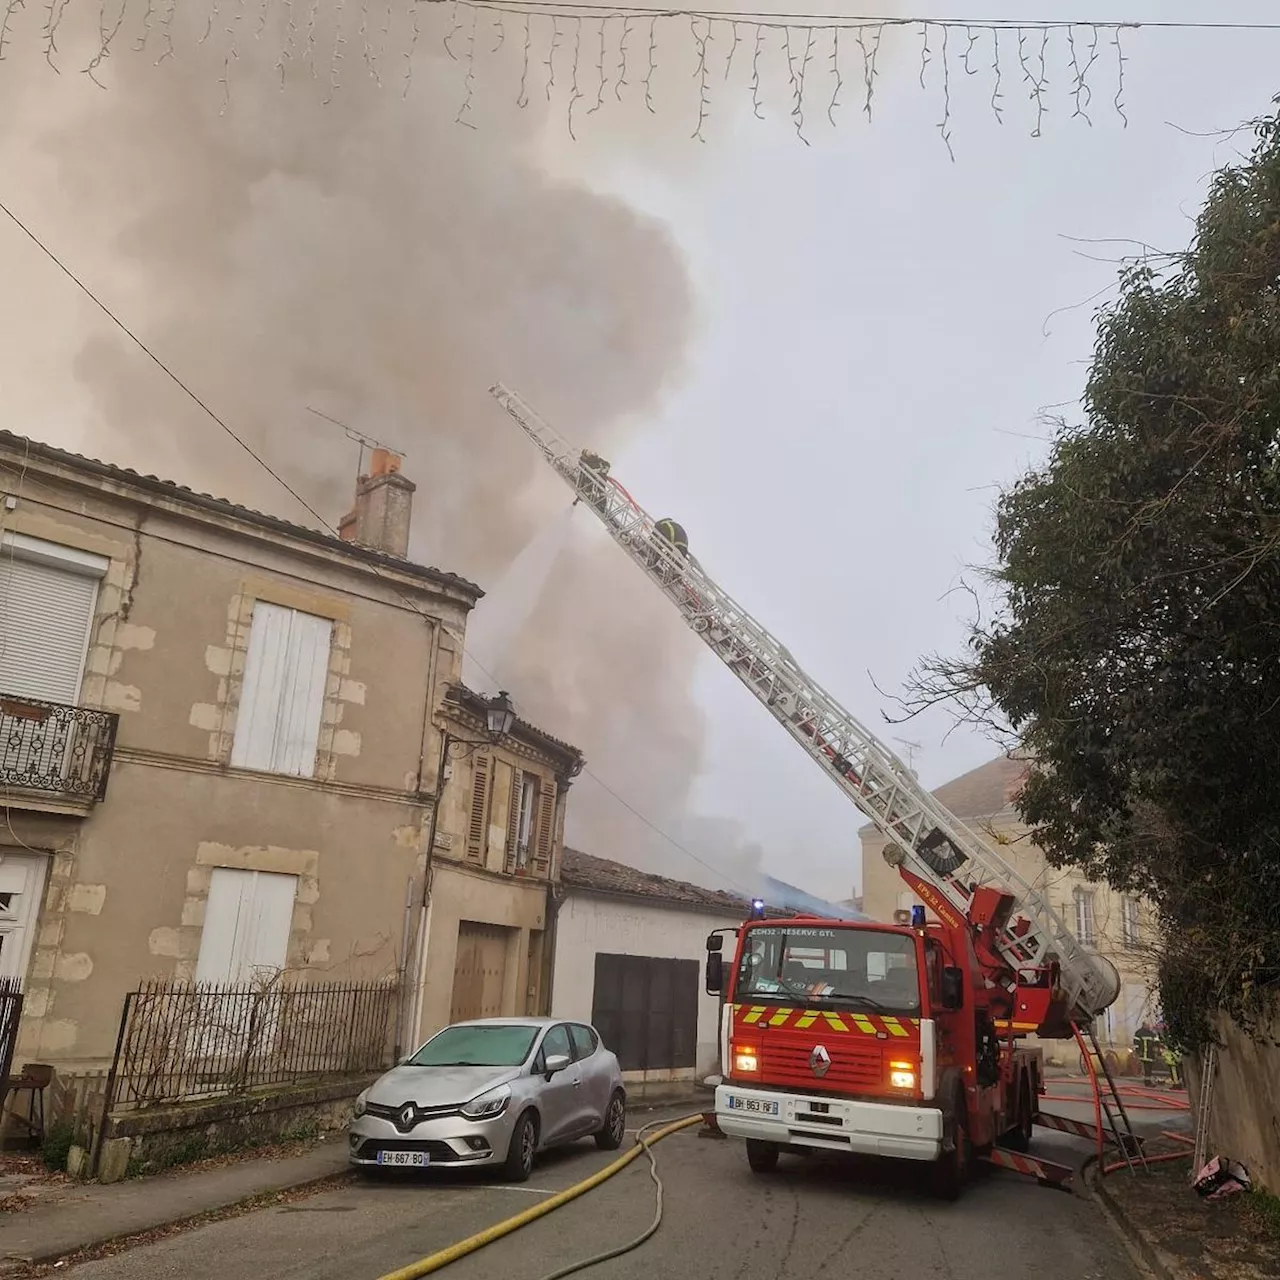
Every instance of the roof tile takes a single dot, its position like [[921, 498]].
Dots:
[[585, 871]]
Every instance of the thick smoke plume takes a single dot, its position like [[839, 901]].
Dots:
[[371, 257]]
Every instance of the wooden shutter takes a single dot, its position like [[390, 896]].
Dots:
[[546, 828], [282, 694], [513, 820], [477, 828], [247, 920]]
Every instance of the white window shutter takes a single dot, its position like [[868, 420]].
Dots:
[[45, 614], [247, 920], [282, 694]]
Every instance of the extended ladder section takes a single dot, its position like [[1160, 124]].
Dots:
[[925, 839]]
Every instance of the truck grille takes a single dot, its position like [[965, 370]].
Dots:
[[856, 1066]]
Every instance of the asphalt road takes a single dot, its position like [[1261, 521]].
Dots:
[[810, 1219]]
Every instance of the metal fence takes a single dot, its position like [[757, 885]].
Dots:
[[10, 1015], [50, 746], [185, 1041]]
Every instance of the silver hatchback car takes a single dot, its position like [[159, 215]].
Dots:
[[495, 1091]]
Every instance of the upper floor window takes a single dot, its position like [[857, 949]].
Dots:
[[1084, 916], [47, 597], [1132, 922], [512, 817], [282, 694], [526, 801]]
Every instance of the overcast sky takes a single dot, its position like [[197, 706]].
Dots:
[[873, 362], [877, 331]]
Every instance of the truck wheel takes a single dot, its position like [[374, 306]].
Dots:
[[761, 1156], [950, 1171], [1019, 1137]]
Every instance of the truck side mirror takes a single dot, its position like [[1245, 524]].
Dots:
[[952, 987], [715, 973], [715, 942]]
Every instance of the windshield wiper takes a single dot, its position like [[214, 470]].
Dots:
[[869, 1001]]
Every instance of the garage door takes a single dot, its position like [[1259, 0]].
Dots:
[[646, 1010], [480, 971]]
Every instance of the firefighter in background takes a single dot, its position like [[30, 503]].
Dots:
[[1145, 1042], [1172, 1061]]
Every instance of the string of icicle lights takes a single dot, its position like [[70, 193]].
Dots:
[[589, 55]]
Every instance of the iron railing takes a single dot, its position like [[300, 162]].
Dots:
[[50, 746], [180, 1042]]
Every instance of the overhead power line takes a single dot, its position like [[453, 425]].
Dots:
[[306, 506]]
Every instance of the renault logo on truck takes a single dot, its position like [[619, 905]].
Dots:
[[819, 1060]]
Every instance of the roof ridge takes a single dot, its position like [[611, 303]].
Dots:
[[195, 497]]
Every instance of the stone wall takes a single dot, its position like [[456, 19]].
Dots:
[[154, 1138]]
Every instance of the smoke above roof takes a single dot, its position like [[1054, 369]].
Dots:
[[368, 256]]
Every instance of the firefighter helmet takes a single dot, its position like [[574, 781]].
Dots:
[[674, 534]]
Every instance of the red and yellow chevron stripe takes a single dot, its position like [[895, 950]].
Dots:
[[827, 1020]]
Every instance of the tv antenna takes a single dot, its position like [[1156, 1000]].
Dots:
[[913, 749], [359, 437]]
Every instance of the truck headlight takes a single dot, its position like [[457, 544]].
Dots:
[[487, 1105], [746, 1058], [902, 1075]]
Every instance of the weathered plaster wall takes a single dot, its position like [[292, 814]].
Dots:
[[1244, 1122], [462, 893]]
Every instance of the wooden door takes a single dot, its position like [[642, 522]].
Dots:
[[480, 972]]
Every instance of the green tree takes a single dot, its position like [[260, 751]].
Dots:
[[1136, 648]]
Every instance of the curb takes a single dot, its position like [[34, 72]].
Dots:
[[1137, 1239], [185, 1221]]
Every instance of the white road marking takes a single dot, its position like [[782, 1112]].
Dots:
[[497, 1186]]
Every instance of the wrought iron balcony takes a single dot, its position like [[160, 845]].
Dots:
[[56, 750]]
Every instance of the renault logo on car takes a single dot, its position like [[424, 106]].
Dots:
[[819, 1060], [408, 1116]]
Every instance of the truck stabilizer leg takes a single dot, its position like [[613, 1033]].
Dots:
[[1080, 1128], [710, 1129], [1045, 1172]]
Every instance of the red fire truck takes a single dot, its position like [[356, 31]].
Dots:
[[894, 1039], [880, 1040]]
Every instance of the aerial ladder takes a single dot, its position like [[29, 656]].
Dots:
[[1022, 939]]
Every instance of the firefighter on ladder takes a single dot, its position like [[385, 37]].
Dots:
[[667, 534], [595, 470]]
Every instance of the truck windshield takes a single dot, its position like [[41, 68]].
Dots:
[[855, 966]]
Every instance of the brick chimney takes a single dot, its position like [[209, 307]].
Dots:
[[384, 507]]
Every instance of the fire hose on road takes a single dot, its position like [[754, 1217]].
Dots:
[[443, 1257]]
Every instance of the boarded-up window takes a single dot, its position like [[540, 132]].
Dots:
[[478, 821], [646, 1010], [282, 696], [544, 835]]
